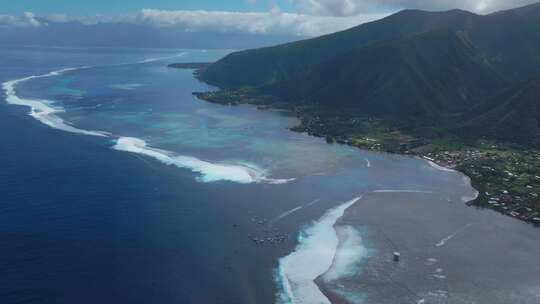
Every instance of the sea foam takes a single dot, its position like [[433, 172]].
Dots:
[[313, 257], [437, 166], [44, 110], [210, 172], [348, 255], [150, 60]]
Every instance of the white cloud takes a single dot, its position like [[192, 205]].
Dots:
[[31, 20], [7, 20], [355, 7], [28, 19], [313, 17], [58, 18], [273, 22]]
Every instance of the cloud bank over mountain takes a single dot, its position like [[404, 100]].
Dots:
[[27, 19], [272, 22], [356, 7], [206, 28]]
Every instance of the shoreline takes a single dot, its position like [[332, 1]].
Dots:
[[454, 154]]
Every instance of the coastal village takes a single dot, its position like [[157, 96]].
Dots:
[[508, 180], [507, 176]]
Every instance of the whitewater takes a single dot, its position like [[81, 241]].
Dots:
[[317, 255], [210, 172], [43, 110], [47, 112]]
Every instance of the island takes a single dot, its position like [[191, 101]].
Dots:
[[435, 85], [507, 175]]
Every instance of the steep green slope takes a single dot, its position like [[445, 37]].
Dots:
[[419, 79], [513, 115], [414, 69], [510, 39], [272, 64]]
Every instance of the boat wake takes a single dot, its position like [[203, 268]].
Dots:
[[289, 212], [285, 214], [451, 236], [315, 255]]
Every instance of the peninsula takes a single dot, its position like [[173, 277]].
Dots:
[[430, 84]]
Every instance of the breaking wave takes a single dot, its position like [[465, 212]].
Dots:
[[47, 113], [44, 110], [312, 258], [210, 172], [150, 60], [348, 255]]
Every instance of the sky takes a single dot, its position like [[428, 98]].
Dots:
[[303, 18], [316, 7], [92, 7]]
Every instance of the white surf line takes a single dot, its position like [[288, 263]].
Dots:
[[466, 179], [43, 110], [210, 172], [436, 166], [46, 113], [277, 181], [349, 253], [451, 236], [150, 60], [312, 257]]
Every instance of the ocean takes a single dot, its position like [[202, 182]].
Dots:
[[119, 186]]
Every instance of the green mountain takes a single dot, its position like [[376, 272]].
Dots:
[[513, 115], [510, 39], [418, 78], [283, 62], [451, 70]]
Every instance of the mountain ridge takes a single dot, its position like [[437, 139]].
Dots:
[[414, 68]]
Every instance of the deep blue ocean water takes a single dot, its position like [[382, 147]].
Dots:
[[84, 219]]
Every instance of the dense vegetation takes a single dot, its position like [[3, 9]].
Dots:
[[456, 88], [428, 73]]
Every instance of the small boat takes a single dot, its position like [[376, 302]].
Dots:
[[397, 256]]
